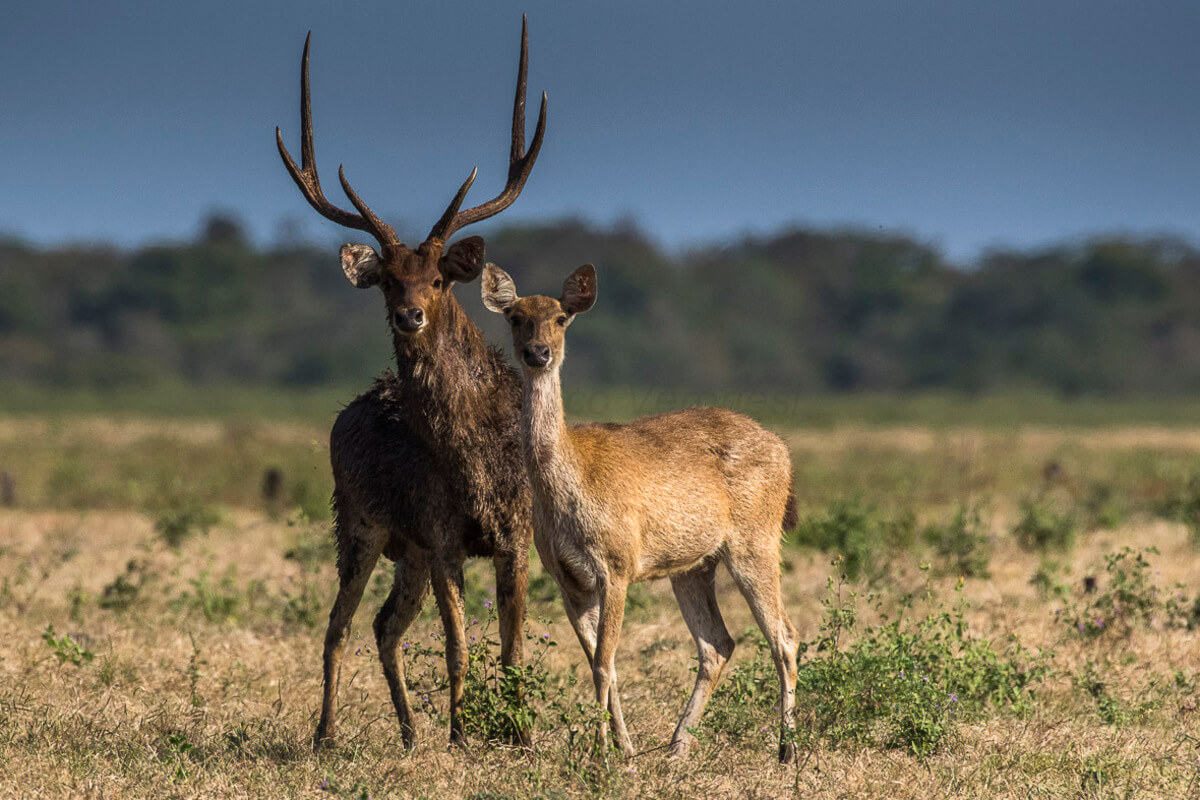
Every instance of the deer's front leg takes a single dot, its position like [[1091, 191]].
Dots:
[[512, 582], [604, 666], [447, 579]]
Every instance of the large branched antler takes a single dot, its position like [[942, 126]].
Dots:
[[306, 178], [520, 163]]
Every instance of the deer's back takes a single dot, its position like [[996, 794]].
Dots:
[[683, 482]]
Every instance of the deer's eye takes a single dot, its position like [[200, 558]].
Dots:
[[438, 283], [562, 319], [516, 319]]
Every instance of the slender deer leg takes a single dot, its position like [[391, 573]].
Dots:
[[409, 590], [585, 617], [512, 579], [757, 577], [359, 549], [604, 669], [447, 579], [697, 598]]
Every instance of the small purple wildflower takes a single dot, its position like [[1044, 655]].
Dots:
[[487, 603], [358, 651], [1100, 623], [323, 785], [953, 698]]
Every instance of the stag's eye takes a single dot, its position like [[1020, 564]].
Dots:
[[562, 319], [516, 319], [438, 283]]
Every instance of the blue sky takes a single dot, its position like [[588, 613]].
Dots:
[[966, 124]]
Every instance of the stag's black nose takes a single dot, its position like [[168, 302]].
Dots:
[[409, 320], [536, 355]]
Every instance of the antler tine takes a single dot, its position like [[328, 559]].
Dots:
[[520, 163], [383, 232], [309, 183], [447, 218]]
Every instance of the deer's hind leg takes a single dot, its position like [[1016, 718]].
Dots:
[[359, 546], [696, 593], [755, 570], [410, 587]]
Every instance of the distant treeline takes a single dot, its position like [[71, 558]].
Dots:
[[798, 311]]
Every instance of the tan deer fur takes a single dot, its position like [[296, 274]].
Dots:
[[667, 496]]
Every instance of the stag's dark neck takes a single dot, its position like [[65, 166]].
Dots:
[[452, 380]]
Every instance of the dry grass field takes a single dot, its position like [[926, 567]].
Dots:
[[163, 623]]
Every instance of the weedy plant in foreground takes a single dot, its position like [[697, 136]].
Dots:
[[66, 649], [902, 683], [499, 701]]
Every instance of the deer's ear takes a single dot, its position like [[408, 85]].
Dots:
[[463, 260], [499, 291], [579, 290], [361, 265]]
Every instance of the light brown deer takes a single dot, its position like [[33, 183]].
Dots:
[[672, 495], [427, 463]]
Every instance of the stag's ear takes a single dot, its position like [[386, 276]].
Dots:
[[579, 290], [499, 291], [463, 260], [361, 265]]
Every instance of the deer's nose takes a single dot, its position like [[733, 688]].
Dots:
[[409, 320], [536, 355]]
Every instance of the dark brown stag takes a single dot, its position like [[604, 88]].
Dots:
[[426, 464]]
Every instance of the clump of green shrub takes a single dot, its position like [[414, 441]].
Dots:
[[123, 591], [310, 498], [1110, 709], [305, 607], [1104, 506], [66, 649], [902, 683], [1044, 525], [499, 702], [179, 515], [963, 545], [219, 600], [859, 532], [1128, 599], [314, 547], [1183, 505]]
